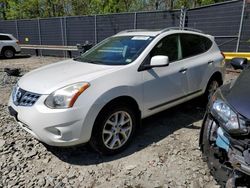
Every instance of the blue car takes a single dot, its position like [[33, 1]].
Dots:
[[225, 133]]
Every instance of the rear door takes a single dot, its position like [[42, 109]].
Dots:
[[195, 51]]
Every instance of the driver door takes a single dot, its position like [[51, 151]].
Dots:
[[164, 85]]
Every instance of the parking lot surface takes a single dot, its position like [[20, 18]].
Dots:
[[164, 153]]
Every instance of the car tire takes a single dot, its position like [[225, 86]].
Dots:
[[8, 53], [114, 129], [214, 156], [212, 86]]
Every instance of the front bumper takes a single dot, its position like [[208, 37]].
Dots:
[[56, 127], [17, 49], [238, 151]]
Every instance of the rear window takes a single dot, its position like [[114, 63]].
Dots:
[[194, 44], [4, 37]]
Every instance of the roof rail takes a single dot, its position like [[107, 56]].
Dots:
[[178, 28], [164, 30], [132, 30]]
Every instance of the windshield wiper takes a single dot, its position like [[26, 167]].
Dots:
[[87, 61], [96, 62]]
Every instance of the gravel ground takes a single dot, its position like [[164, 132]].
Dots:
[[164, 153]]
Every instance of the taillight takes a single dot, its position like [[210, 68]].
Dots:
[[223, 55], [17, 41]]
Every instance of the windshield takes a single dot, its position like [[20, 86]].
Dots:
[[120, 50]]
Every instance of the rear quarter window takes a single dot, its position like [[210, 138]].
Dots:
[[194, 44], [4, 37]]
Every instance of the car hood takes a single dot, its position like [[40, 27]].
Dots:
[[49, 78], [238, 94]]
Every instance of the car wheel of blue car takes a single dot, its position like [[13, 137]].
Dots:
[[213, 155]]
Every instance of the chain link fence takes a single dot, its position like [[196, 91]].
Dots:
[[229, 22]]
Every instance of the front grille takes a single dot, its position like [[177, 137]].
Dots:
[[24, 98], [28, 99]]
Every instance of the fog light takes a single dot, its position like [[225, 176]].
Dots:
[[54, 131]]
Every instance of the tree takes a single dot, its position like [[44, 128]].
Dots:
[[194, 3], [22, 9], [3, 10]]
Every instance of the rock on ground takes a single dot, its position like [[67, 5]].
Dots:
[[164, 153]]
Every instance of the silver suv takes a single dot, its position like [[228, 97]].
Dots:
[[9, 45], [101, 96]]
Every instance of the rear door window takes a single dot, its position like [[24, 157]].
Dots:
[[194, 44], [4, 37]]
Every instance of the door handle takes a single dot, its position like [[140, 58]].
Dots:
[[183, 70], [210, 62]]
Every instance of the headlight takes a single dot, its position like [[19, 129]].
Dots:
[[14, 90], [66, 97], [231, 121]]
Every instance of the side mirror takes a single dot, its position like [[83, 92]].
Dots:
[[159, 61], [239, 63]]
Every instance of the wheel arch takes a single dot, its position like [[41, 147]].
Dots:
[[124, 99], [127, 101], [217, 76], [103, 102], [8, 47], [214, 76]]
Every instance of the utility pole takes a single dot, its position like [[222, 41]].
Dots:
[[183, 17]]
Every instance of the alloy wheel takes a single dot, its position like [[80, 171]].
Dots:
[[117, 130], [8, 53]]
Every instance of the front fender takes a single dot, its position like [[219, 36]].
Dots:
[[102, 100]]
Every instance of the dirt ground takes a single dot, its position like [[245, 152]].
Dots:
[[164, 153]]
